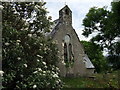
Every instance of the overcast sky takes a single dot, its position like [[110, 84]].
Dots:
[[79, 9]]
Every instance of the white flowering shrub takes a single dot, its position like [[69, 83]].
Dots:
[[29, 60], [29, 63]]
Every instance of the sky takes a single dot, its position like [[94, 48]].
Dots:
[[79, 10]]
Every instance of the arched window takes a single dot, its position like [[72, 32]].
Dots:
[[71, 56], [66, 12], [67, 39], [65, 53], [68, 53]]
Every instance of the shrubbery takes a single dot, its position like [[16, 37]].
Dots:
[[29, 59]]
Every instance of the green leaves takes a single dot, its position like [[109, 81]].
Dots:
[[27, 15], [94, 20], [29, 59], [106, 25], [94, 52]]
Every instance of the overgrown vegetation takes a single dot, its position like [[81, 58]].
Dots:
[[29, 59], [95, 54], [108, 80], [106, 24]]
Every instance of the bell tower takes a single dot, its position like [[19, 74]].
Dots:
[[65, 15]]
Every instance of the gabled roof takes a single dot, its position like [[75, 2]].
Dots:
[[66, 6], [88, 63], [56, 23]]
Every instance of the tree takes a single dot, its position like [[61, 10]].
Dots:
[[106, 24], [95, 54], [29, 59]]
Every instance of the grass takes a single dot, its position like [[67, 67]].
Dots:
[[102, 80]]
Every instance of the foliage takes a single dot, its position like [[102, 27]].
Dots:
[[29, 59], [113, 59], [101, 80], [29, 16], [105, 23], [94, 52]]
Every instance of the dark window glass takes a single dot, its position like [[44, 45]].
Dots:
[[65, 52], [70, 52], [66, 12]]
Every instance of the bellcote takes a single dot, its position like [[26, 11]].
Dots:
[[65, 15]]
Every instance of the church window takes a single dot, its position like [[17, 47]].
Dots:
[[67, 39], [68, 54], [66, 12], [65, 52], [70, 51]]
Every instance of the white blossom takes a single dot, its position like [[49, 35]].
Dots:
[[43, 74], [53, 42], [38, 60], [40, 49], [21, 75], [30, 35], [39, 69], [34, 86], [57, 68], [44, 71], [1, 73], [34, 35], [48, 71], [45, 66], [45, 52], [1, 7], [7, 44], [35, 43], [55, 75], [44, 63], [18, 58], [35, 72], [16, 12], [39, 56], [57, 82], [18, 41], [48, 83], [45, 49], [53, 72], [25, 65], [41, 44], [63, 62]]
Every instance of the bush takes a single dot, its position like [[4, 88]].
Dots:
[[29, 59]]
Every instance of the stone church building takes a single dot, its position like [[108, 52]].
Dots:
[[73, 60]]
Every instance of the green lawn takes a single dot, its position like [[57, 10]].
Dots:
[[101, 81]]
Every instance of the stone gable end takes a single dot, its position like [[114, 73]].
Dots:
[[71, 52]]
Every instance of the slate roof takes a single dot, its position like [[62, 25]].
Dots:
[[66, 6], [88, 63], [56, 23]]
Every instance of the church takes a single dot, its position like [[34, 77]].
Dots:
[[73, 60]]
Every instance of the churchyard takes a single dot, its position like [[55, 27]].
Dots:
[[38, 52], [101, 80]]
